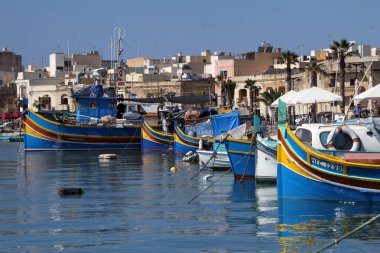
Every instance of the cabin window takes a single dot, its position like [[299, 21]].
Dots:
[[92, 105], [323, 137], [304, 135]]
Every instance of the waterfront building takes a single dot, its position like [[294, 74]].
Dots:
[[10, 64]]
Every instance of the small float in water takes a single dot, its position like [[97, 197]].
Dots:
[[107, 156], [70, 191]]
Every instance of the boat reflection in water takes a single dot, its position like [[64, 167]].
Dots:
[[254, 206], [306, 225]]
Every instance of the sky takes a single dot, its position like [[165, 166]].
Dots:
[[162, 28]]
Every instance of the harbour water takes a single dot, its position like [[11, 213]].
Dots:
[[136, 204]]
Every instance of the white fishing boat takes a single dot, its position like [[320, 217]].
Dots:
[[266, 159]]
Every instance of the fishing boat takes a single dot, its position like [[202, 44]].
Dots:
[[162, 138], [241, 153], [154, 139], [191, 132], [94, 126], [266, 159], [329, 162], [223, 125]]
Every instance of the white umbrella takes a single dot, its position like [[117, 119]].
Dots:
[[372, 93], [285, 98], [314, 95]]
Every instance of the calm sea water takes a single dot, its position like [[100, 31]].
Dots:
[[135, 204]]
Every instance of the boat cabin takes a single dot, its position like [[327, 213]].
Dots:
[[357, 137]]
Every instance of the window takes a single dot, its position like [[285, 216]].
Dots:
[[64, 100], [323, 138], [304, 135], [92, 105]]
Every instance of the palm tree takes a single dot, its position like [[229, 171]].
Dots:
[[289, 58], [250, 85], [313, 68], [229, 90], [340, 51], [220, 82], [269, 96]]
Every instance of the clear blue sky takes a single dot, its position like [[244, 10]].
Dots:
[[162, 28]]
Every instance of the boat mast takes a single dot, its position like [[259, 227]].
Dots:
[[120, 32]]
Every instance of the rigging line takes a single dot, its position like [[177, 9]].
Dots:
[[216, 180], [249, 156], [336, 241], [357, 88], [208, 187]]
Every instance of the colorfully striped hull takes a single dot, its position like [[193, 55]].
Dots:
[[184, 143], [307, 174], [42, 134], [154, 140], [242, 157]]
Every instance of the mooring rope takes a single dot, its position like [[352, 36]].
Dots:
[[216, 180], [249, 157], [208, 187], [336, 241], [130, 140]]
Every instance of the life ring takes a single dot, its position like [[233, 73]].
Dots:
[[346, 130], [191, 117]]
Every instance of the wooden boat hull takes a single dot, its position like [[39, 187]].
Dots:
[[266, 163], [219, 162], [154, 140], [305, 173], [184, 143], [242, 157], [42, 134]]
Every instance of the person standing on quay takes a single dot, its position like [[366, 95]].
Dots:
[[357, 111]]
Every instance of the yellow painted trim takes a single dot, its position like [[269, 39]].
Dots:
[[330, 158], [74, 135], [245, 141], [155, 131], [287, 161]]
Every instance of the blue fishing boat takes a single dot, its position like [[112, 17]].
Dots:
[[223, 125], [185, 142], [154, 139], [241, 153], [201, 135], [93, 127], [328, 162]]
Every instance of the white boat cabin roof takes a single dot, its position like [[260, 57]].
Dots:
[[357, 137]]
